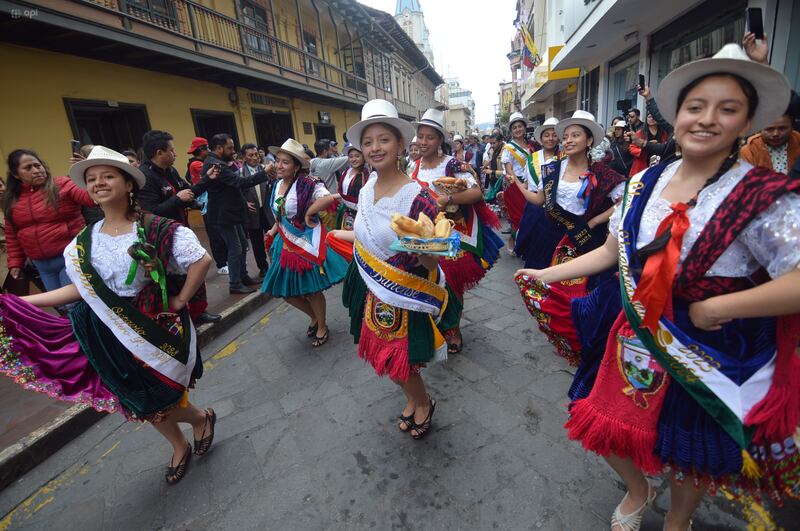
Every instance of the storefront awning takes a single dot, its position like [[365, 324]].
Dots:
[[549, 81]]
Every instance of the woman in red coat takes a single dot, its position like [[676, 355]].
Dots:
[[43, 214]]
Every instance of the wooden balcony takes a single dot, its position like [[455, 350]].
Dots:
[[199, 35]]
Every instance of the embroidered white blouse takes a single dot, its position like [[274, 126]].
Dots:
[[771, 240], [291, 196], [373, 221], [567, 193], [428, 175], [111, 260]]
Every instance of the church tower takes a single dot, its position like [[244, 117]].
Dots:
[[409, 16]]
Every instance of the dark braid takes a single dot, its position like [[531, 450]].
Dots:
[[661, 241]]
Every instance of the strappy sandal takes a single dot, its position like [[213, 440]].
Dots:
[[406, 422], [202, 446], [319, 341], [632, 521], [426, 425], [312, 330], [452, 346], [175, 473]]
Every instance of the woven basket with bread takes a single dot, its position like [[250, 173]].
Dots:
[[425, 235]]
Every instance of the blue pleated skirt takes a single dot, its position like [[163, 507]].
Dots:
[[537, 237]]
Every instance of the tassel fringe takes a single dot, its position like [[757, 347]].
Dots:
[[294, 262], [387, 360], [463, 273], [605, 435]]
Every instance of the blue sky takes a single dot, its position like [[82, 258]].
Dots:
[[470, 40]]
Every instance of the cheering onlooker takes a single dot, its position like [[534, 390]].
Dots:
[[777, 146], [621, 159], [325, 166], [165, 193], [227, 208], [257, 222], [42, 214], [635, 120]]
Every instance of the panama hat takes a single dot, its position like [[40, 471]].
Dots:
[[378, 112], [413, 140], [548, 124], [349, 147], [619, 123], [433, 118], [458, 138], [102, 156], [294, 149], [517, 117], [585, 119], [771, 86]]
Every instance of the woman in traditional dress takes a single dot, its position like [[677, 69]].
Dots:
[[413, 155], [129, 344], [700, 371], [303, 265], [398, 302], [578, 196], [537, 237], [350, 184], [480, 245], [458, 147], [517, 163]]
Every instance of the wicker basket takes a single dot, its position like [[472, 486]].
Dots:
[[425, 246]]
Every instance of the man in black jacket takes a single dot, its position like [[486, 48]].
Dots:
[[227, 207], [165, 192]]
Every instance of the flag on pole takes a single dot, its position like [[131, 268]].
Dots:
[[530, 55]]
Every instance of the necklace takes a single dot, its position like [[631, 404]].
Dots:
[[116, 229]]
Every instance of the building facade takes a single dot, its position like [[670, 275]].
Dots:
[[106, 71], [460, 107], [411, 19], [613, 41]]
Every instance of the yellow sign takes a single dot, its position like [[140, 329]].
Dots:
[[559, 74], [508, 97]]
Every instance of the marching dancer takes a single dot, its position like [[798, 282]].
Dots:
[[700, 369], [480, 245], [398, 302], [129, 344], [303, 266]]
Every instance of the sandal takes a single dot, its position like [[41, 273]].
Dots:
[[406, 422], [202, 446], [426, 425], [632, 521], [450, 336], [312, 330], [319, 341], [175, 473]]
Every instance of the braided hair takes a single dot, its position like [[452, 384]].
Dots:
[[733, 156]]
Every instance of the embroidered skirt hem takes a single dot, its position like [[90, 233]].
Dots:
[[300, 276]]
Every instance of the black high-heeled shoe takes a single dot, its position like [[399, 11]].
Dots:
[[202, 446], [175, 473], [425, 426]]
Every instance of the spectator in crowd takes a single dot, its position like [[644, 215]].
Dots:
[[458, 148], [621, 159], [194, 171], [42, 215], [257, 222], [227, 208], [654, 140], [599, 152], [413, 155], [777, 146], [493, 166], [165, 192], [635, 120], [334, 152], [133, 158], [325, 167]]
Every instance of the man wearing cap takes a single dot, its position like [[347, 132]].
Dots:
[[227, 208]]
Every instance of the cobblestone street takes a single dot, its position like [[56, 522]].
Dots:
[[306, 439]]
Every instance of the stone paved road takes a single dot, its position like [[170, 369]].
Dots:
[[307, 440]]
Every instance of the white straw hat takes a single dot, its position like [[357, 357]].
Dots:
[[433, 118], [771, 86], [379, 112], [585, 119], [294, 149], [619, 123], [550, 123], [517, 117], [458, 138], [103, 156]]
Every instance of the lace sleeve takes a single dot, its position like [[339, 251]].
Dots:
[[617, 192], [774, 236], [186, 250], [320, 191], [614, 222]]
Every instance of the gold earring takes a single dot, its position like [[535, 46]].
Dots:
[[130, 199], [677, 146]]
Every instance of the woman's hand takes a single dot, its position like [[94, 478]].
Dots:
[[541, 275], [444, 200], [176, 303], [310, 220], [757, 52], [645, 92], [705, 315], [429, 262], [15, 272]]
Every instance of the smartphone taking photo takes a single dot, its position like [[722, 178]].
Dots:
[[75, 146], [755, 22]]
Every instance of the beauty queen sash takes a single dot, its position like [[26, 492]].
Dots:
[[698, 368], [399, 288], [172, 356], [308, 242], [575, 226], [523, 157]]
